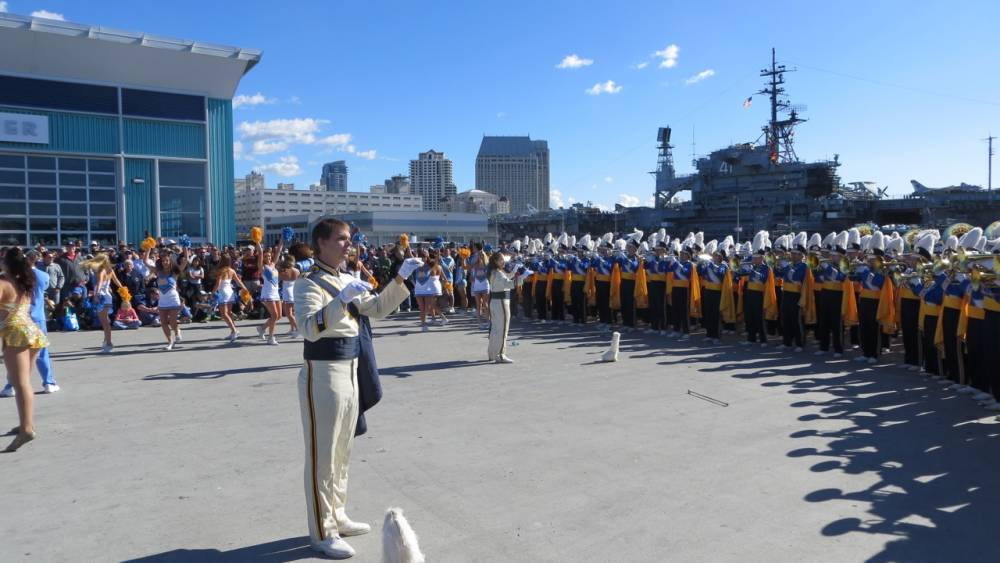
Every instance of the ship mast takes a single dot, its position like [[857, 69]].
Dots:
[[779, 132]]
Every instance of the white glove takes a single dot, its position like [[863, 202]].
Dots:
[[409, 266], [353, 290]]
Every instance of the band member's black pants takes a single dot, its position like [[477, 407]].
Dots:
[[817, 294], [931, 363], [656, 311], [909, 319], [950, 326], [602, 290], [578, 302], [628, 302], [558, 301], [541, 301], [991, 352], [774, 326], [753, 315], [527, 300], [867, 311], [829, 321], [710, 300], [976, 368], [679, 308], [790, 316]]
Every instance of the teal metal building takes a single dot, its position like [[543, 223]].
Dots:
[[108, 135]]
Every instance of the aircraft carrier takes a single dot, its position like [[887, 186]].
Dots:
[[746, 187]]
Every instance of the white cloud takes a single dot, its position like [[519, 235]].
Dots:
[[287, 166], [609, 179], [295, 100], [335, 140], [555, 199], [571, 200], [668, 55], [237, 150], [45, 14], [707, 73], [640, 66], [257, 99], [3, 6], [297, 130], [573, 61], [628, 200], [368, 154], [608, 87], [267, 147]]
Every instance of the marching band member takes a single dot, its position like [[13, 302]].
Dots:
[[603, 266], [501, 284], [797, 306], [931, 296], [326, 304], [712, 272], [629, 264], [579, 267], [656, 269], [540, 288], [759, 298], [557, 266], [836, 298], [947, 337], [909, 311], [815, 248], [683, 285], [877, 303]]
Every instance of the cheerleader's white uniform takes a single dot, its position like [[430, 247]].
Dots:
[[480, 284], [269, 289], [288, 291], [426, 285], [169, 297], [226, 293]]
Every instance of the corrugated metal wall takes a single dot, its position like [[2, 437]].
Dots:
[[71, 132], [164, 138], [220, 171], [139, 204]]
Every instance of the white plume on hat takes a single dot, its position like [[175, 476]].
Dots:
[[951, 243], [661, 234], [758, 241], [711, 246], [854, 237], [828, 241], [727, 244], [516, 245], [995, 246], [675, 246], [699, 240], [865, 241], [607, 239], [644, 247], [572, 241], [547, 239], [635, 236], [894, 246], [981, 246], [840, 241], [815, 241], [620, 244], [925, 242], [584, 242], [801, 241], [877, 242], [970, 240]]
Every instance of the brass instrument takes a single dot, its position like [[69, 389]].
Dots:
[[979, 277]]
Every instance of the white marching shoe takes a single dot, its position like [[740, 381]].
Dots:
[[349, 528], [334, 548], [612, 354], [502, 359], [50, 388]]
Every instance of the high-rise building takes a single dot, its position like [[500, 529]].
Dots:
[[254, 181], [282, 186], [398, 184], [516, 168], [431, 178], [334, 177]]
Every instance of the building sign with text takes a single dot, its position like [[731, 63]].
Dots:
[[20, 128]]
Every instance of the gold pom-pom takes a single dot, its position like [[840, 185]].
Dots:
[[404, 240], [245, 297], [147, 243], [464, 253], [123, 292], [257, 234]]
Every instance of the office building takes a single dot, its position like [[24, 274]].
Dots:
[[334, 176], [431, 179], [516, 168]]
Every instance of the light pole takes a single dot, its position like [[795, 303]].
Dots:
[[739, 229]]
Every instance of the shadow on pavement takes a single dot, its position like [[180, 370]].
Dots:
[[215, 374], [279, 551]]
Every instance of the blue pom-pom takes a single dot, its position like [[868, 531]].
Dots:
[[288, 234], [488, 248], [358, 238], [184, 241]]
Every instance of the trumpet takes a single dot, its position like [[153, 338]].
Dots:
[[979, 277]]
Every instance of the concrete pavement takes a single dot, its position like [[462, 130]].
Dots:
[[196, 454]]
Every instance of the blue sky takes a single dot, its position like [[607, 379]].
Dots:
[[899, 90]]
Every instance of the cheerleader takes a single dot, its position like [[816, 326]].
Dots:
[[270, 294], [224, 295], [104, 276], [288, 274], [427, 287], [167, 273], [479, 274]]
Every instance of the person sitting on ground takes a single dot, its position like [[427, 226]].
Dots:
[[148, 307], [126, 318]]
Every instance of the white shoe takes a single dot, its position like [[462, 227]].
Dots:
[[169, 346], [233, 336], [501, 359], [335, 548], [451, 311], [260, 332], [49, 388], [272, 341], [871, 360], [107, 347], [7, 393], [178, 337], [349, 528]]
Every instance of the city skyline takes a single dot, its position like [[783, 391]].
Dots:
[[892, 105]]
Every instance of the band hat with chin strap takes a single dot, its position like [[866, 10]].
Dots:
[[951, 243], [828, 241], [995, 244], [981, 247], [607, 239], [925, 245], [711, 247], [726, 247], [894, 246], [758, 246], [699, 241], [865, 242], [853, 239], [877, 244], [840, 243], [815, 242], [800, 242]]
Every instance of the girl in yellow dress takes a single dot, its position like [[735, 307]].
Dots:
[[22, 339]]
